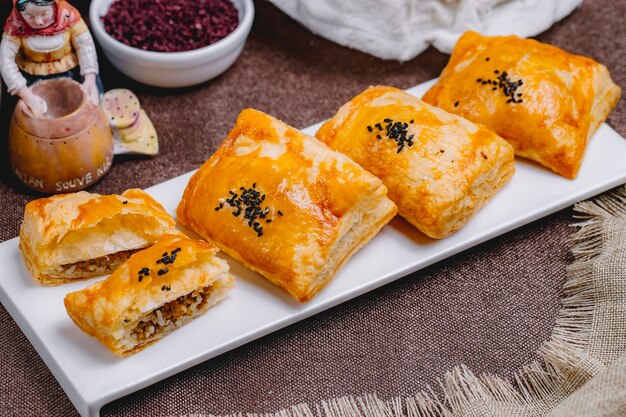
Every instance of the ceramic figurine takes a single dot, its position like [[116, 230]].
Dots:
[[47, 39], [61, 139], [131, 127], [67, 150]]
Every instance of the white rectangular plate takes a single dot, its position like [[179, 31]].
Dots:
[[91, 376]]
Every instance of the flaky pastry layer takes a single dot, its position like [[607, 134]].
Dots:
[[82, 235], [545, 101], [284, 204], [439, 168], [154, 292]]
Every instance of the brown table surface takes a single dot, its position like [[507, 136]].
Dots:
[[489, 307]]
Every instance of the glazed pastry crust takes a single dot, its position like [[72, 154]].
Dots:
[[63, 230], [111, 310], [330, 206], [438, 183], [565, 97]]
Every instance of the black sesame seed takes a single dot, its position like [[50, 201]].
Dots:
[[487, 59], [250, 204], [369, 128], [163, 271], [280, 213], [507, 85], [398, 132], [456, 104], [124, 202]]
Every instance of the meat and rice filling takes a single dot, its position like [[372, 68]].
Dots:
[[100, 266], [170, 315]]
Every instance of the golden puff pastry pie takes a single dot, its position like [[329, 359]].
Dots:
[[82, 235], [439, 168], [154, 292], [284, 204], [546, 102]]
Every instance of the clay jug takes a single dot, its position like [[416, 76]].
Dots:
[[66, 150]]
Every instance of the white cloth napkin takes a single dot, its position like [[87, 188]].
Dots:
[[402, 29]]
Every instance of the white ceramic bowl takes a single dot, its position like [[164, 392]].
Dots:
[[172, 69]]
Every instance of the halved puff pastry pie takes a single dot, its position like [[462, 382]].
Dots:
[[82, 235], [284, 204], [546, 102], [156, 291], [439, 168]]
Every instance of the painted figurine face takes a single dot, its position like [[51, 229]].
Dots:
[[38, 17]]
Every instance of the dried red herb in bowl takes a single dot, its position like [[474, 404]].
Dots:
[[178, 67], [170, 25]]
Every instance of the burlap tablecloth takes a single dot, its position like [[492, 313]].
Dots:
[[490, 307]]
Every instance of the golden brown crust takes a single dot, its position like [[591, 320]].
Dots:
[[60, 231], [110, 309], [439, 182], [564, 97], [320, 193]]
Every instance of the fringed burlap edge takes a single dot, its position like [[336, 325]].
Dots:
[[567, 360]]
